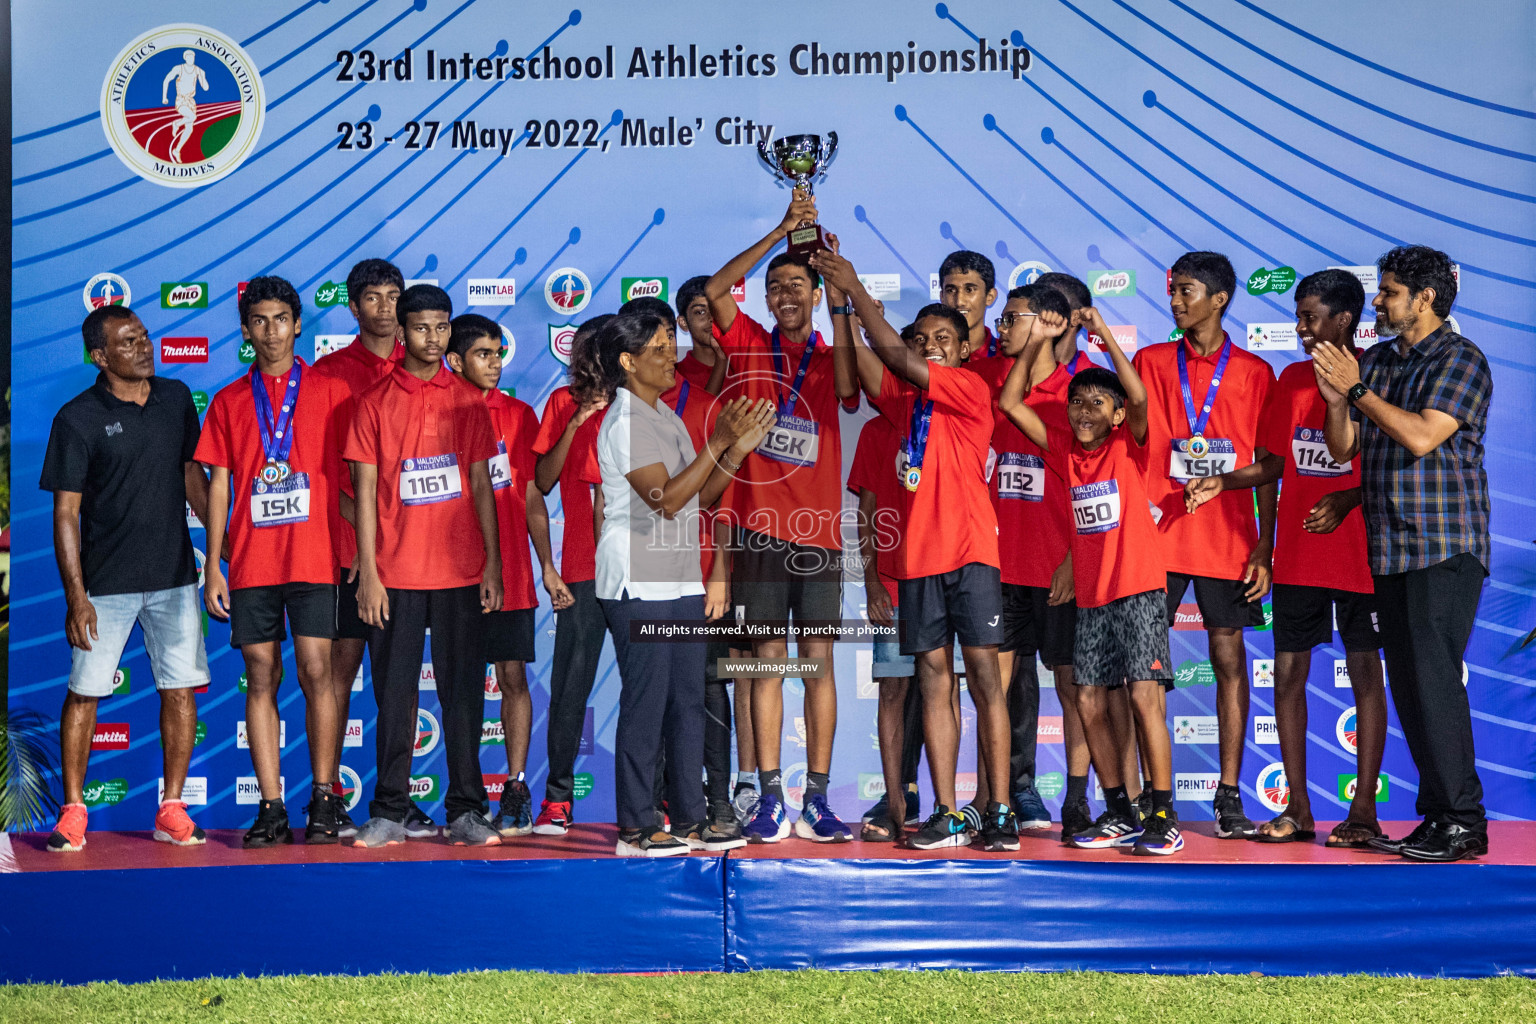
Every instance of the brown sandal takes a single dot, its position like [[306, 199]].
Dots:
[[1366, 832]]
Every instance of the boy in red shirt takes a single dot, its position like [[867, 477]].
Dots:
[[947, 562], [566, 447], [1321, 571], [1205, 398], [1122, 628], [273, 444], [968, 283], [474, 353], [373, 288], [420, 448], [788, 513]]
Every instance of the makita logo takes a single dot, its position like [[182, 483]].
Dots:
[[1188, 617], [1049, 730], [494, 785], [110, 736], [183, 350]]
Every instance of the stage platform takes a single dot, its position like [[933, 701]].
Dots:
[[130, 909]]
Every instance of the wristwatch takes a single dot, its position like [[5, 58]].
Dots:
[[1358, 392], [843, 310]]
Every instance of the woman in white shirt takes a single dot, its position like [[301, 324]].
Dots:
[[648, 575]]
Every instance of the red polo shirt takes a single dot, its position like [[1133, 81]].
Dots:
[[1216, 540], [781, 496], [948, 521], [578, 545], [424, 436], [1293, 429], [875, 470], [690, 369], [515, 425], [282, 552], [1034, 515], [360, 369]]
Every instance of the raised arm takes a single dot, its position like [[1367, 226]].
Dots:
[[1011, 400], [1135, 390], [885, 342], [722, 308], [546, 472]]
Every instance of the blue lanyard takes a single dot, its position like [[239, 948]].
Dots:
[[276, 441], [916, 442], [788, 404], [991, 342], [682, 398], [1197, 425], [1072, 366]]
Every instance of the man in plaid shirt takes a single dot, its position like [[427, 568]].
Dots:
[[1415, 412]]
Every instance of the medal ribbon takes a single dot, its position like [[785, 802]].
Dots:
[[1072, 367], [682, 398], [276, 440], [916, 442], [1197, 424], [788, 405]]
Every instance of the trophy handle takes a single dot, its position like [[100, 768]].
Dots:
[[828, 152], [765, 154]]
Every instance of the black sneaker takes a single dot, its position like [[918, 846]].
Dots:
[[999, 829], [324, 825], [418, 825], [943, 828], [271, 827], [514, 813], [1231, 821], [1420, 832], [1075, 817], [346, 828], [721, 831], [1143, 804], [1109, 831], [1160, 835]]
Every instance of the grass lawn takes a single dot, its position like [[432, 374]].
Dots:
[[804, 997]]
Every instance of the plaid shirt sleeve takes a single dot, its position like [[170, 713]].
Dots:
[[1462, 389]]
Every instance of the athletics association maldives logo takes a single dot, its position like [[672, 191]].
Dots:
[[1344, 729], [182, 105], [349, 787], [106, 289], [567, 291], [428, 732], [1273, 787]]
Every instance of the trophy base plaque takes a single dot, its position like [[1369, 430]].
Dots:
[[808, 239]]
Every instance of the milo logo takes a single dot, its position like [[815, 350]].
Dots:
[[1194, 673], [1113, 282], [100, 793], [491, 732], [331, 294], [643, 288], [424, 788], [581, 785], [120, 681], [871, 786], [192, 295], [1278, 280]]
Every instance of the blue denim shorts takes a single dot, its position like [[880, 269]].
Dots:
[[173, 639], [889, 662]]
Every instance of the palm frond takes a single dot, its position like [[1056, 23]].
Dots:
[[29, 764]]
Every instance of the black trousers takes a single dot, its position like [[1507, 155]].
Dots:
[[717, 741], [661, 710], [395, 653], [578, 648], [1425, 617], [1023, 723], [911, 733]]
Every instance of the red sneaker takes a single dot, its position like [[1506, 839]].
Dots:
[[173, 826], [69, 834], [554, 818]]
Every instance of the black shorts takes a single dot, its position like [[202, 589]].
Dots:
[[964, 605], [256, 613], [1221, 602], [509, 636], [1304, 618], [773, 580], [1033, 626], [349, 624], [1125, 641]]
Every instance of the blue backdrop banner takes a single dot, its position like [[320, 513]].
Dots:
[[536, 163]]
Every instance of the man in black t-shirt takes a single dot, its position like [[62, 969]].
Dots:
[[120, 466]]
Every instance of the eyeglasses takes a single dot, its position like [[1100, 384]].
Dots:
[[1007, 320]]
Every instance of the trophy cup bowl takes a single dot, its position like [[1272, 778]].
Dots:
[[801, 160]]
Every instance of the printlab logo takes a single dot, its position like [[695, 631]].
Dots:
[[1027, 273], [1195, 786], [642, 288], [567, 291], [428, 732], [1265, 731], [106, 289], [1273, 787], [248, 790], [1112, 283], [182, 105], [562, 339], [184, 295], [1344, 730], [491, 291], [354, 733]]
